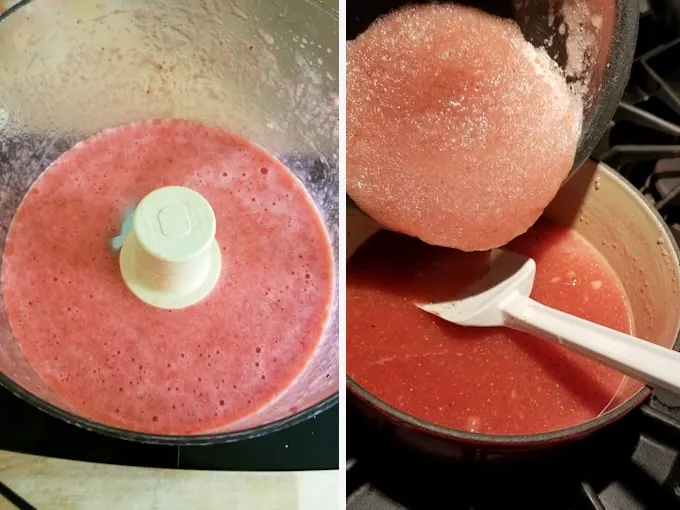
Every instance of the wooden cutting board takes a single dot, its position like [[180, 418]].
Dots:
[[64, 484]]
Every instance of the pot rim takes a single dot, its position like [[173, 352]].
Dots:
[[614, 79], [527, 440]]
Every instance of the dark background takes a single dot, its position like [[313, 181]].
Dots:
[[310, 445]]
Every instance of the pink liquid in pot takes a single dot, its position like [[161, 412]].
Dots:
[[492, 380], [116, 360]]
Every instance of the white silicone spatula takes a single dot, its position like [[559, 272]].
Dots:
[[501, 298]]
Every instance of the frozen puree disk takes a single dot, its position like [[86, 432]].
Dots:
[[459, 131]]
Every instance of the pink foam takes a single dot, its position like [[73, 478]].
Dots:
[[114, 359]]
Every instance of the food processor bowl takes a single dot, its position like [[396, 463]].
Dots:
[[267, 71], [593, 41]]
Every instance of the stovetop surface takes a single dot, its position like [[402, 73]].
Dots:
[[632, 464]]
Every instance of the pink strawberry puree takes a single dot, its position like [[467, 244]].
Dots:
[[119, 361], [490, 380]]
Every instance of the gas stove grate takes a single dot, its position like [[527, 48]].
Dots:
[[630, 465]]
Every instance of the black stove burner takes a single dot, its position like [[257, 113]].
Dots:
[[643, 141], [632, 464]]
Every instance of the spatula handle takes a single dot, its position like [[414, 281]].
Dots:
[[642, 360]]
